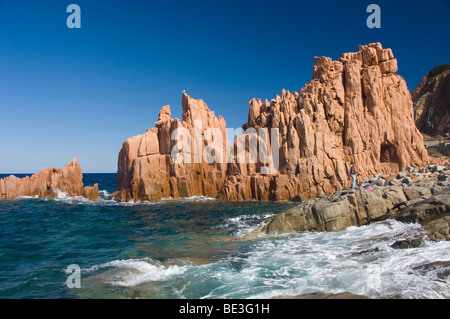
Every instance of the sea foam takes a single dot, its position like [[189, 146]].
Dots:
[[132, 272]]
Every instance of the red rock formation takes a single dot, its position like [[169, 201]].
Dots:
[[432, 103], [146, 171], [354, 110], [47, 182]]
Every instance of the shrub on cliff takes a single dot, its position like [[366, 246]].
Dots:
[[439, 69]]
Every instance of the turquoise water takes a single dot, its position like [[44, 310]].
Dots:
[[195, 248]]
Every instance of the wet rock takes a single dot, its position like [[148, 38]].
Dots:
[[438, 229], [440, 268], [300, 198], [374, 250], [408, 243], [426, 210]]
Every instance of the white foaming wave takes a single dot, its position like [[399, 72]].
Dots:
[[189, 199], [105, 199], [28, 197], [103, 194], [132, 272], [359, 260], [244, 224], [61, 194], [65, 198], [62, 197]]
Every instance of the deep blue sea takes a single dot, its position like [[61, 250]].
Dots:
[[195, 248]]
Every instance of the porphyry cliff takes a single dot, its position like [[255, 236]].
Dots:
[[48, 182], [146, 171], [432, 102], [356, 109]]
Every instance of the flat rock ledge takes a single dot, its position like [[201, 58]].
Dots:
[[414, 196]]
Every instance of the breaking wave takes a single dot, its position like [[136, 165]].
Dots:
[[133, 272], [244, 224], [105, 199], [359, 260]]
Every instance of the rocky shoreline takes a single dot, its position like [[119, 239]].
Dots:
[[412, 196]]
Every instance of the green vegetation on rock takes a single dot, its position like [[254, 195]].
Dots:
[[439, 69]]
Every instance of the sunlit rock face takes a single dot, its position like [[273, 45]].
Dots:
[[355, 110]]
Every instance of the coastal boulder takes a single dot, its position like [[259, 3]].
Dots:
[[337, 211], [345, 208]]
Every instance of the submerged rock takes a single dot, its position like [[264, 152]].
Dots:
[[408, 243], [440, 268]]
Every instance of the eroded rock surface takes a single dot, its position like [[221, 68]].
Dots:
[[356, 109]]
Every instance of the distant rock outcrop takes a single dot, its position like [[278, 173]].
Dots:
[[432, 102], [356, 110], [48, 182]]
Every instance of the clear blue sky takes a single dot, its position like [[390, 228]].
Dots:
[[81, 92]]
